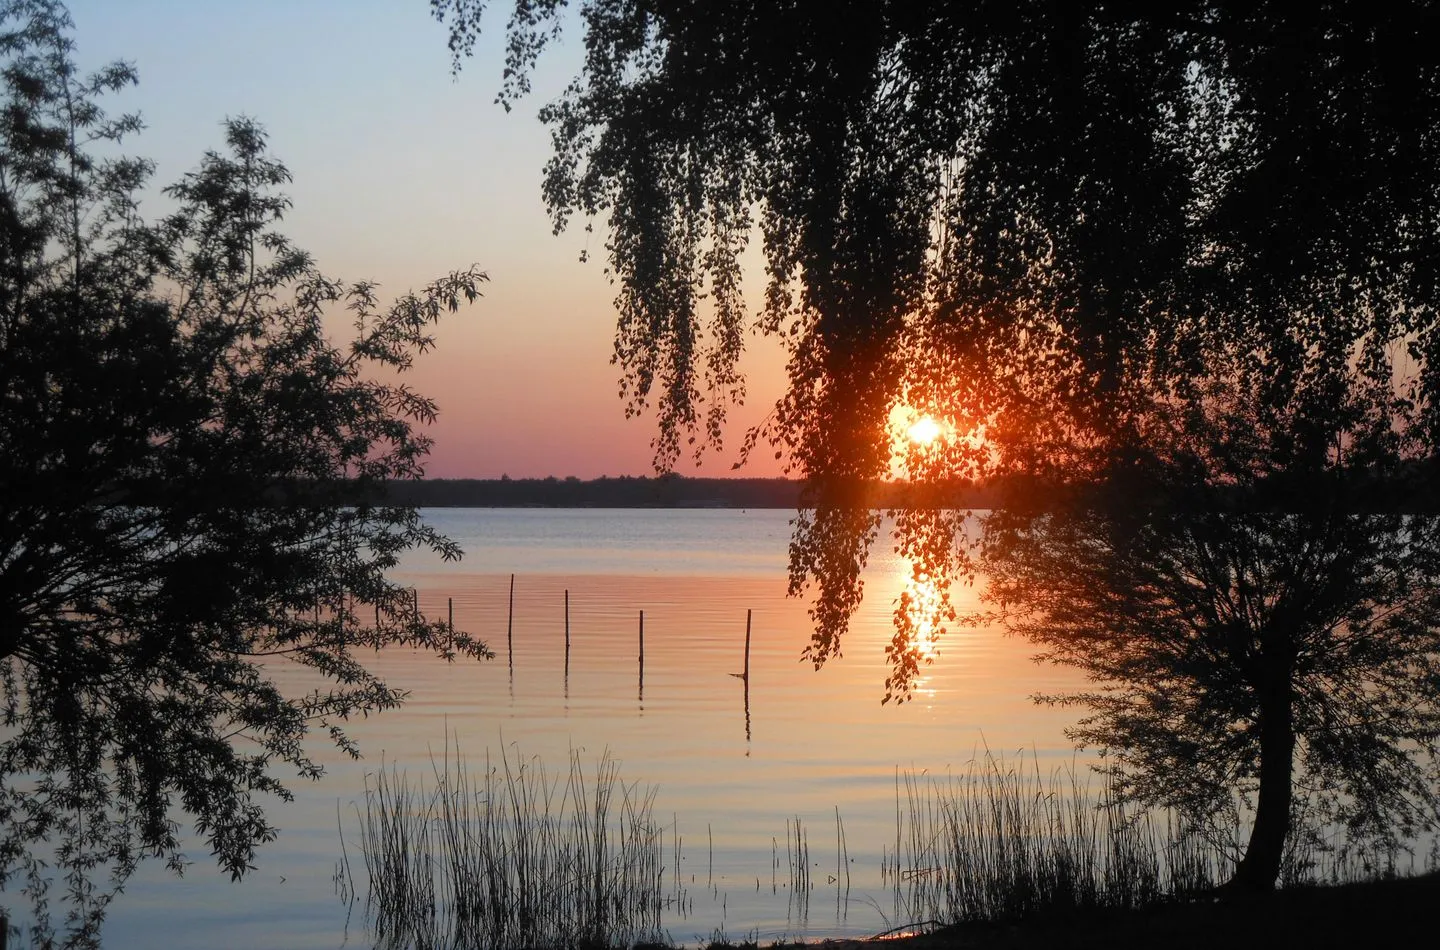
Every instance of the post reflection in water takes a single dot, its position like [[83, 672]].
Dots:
[[747, 717], [744, 677]]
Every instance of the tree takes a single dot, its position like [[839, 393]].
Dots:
[[1025, 218], [1270, 640], [1273, 655], [188, 475], [1072, 232]]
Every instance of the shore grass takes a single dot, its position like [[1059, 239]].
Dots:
[[1000, 841], [512, 857]]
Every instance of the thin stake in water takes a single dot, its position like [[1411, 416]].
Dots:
[[744, 677], [747, 646]]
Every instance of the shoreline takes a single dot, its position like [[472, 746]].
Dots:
[[1381, 912]]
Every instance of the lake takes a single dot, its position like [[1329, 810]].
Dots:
[[730, 771]]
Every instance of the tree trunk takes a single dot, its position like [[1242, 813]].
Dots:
[[1260, 867]]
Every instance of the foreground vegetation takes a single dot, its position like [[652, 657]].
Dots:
[[998, 854], [511, 857]]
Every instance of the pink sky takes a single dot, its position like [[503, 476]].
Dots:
[[526, 389], [403, 173]]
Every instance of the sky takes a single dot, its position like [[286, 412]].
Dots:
[[404, 172]]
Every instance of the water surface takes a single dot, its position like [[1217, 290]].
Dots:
[[729, 775]]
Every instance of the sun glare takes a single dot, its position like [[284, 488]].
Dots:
[[924, 431], [923, 609]]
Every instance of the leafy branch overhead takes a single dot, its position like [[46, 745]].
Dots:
[[1028, 220], [1148, 266]]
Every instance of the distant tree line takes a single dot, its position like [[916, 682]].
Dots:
[[666, 491], [1404, 492]]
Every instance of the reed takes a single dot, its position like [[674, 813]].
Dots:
[[1002, 842], [512, 857], [797, 855]]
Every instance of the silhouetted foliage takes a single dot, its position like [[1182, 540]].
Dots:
[[1287, 657], [1187, 251], [1030, 220], [187, 473], [1255, 619]]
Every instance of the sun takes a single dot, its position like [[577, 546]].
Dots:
[[924, 431]]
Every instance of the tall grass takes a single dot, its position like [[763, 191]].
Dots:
[[797, 855], [1001, 842], [511, 858], [514, 857]]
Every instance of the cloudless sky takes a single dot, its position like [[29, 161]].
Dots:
[[403, 172]]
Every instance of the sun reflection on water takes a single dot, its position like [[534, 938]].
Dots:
[[924, 609], [923, 612]]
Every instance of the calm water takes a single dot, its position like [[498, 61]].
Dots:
[[728, 777]]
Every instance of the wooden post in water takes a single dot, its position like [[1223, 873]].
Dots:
[[642, 653], [747, 645], [510, 627], [567, 634]]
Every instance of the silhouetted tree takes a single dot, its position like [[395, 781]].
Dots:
[[1270, 638], [186, 473], [1026, 218], [1058, 228], [1266, 654]]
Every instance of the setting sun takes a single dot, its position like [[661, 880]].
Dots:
[[924, 431]]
